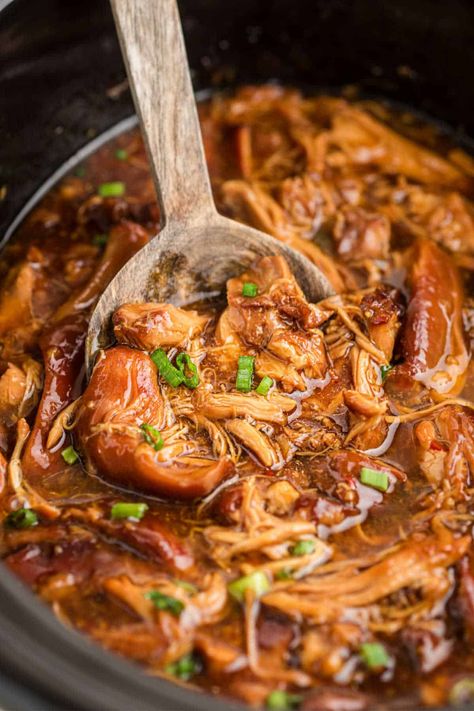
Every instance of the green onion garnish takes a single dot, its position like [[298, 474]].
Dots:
[[80, 171], [264, 385], [462, 692], [385, 370], [172, 375], [189, 587], [152, 436], [374, 478], [249, 289], [22, 518], [185, 668], [69, 455], [165, 602], [100, 240], [282, 701], [256, 581], [244, 374], [303, 547], [185, 364], [374, 655], [121, 154], [115, 189], [284, 574], [135, 512]]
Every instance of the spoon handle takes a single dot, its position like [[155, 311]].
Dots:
[[155, 56]]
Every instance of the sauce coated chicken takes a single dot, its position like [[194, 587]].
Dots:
[[256, 495]]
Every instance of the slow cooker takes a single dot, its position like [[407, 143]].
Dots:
[[62, 85]]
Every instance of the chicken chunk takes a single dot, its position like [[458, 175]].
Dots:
[[361, 235], [278, 319], [225, 406], [122, 395], [151, 326], [19, 390]]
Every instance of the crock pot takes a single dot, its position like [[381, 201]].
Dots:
[[62, 84]]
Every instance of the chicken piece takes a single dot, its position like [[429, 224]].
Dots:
[[151, 326], [62, 346], [325, 652], [445, 217], [123, 393], [301, 351], [226, 406], [279, 301], [256, 441], [433, 344], [421, 565], [361, 235], [31, 294], [220, 656], [278, 318], [307, 202], [19, 390], [446, 450], [366, 402], [366, 141], [347, 463], [99, 215], [281, 497], [284, 372], [17, 322], [143, 644], [382, 310]]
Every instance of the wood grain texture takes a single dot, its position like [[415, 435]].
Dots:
[[155, 57], [197, 250]]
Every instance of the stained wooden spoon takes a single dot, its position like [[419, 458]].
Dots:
[[197, 249]]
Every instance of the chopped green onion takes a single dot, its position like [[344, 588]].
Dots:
[[152, 436], [282, 701], [264, 385], [189, 587], [100, 240], [165, 602], [185, 668], [284, 574], [303, 547], [244, 374], [114, 189], [121, 154], [135, 512], [374, 478], [69, 455], [462, 692], [256, 581], [249, 289], [374, 655], [172, 375], [22, 518], [184, 363], [385, 370], [80, 171]]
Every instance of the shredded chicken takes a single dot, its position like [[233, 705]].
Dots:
[[254, 494]]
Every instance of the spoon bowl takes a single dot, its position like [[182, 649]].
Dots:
[[197, 250]]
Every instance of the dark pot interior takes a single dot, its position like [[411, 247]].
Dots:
[[61, 83]]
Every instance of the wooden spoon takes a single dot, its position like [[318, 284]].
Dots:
[[197, 249]]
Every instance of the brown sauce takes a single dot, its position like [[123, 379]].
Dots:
[[361, 589]]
